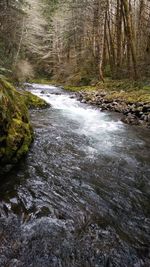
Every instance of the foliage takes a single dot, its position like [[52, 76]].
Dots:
[[77, 41], [93, 37], [23, 71]]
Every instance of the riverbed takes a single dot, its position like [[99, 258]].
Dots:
[[81, 198]]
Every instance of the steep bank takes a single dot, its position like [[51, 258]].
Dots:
[[132, 99], [16, 133]]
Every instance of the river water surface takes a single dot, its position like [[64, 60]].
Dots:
[[81, 198]]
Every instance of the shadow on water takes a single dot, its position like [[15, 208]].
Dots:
[[81, 196]]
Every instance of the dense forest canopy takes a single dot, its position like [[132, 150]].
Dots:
[[78, 41]]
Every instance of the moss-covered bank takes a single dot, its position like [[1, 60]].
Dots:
[[125, 90], [33, 101], [16, 133]]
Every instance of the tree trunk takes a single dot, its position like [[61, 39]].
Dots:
[[130, 36]]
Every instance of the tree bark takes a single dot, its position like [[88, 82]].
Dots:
[[130, 36]]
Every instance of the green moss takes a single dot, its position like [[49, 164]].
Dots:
[[40, 81], [16, 132], [79, 88], [33, 101], [125, 90], [147, 88], [132, 96]]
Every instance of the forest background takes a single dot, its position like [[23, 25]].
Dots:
[[73, 41]]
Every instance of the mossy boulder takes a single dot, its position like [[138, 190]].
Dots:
[[33, 101], [16, 133]]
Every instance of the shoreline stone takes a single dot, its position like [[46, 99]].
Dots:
[[137, 113]]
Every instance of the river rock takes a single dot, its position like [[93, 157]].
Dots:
[[72, 97], [148, 117], [130, 119], [84, 101], [146, 108], [57, 93]]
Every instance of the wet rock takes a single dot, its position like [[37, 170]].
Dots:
[[72, 96], [146, 108], [126, 111], [57, 93], [148, 117], [141, 122], [140, 114], [139, 104], [84, 101], [115, 103]]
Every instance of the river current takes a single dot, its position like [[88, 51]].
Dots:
[[81, 197]]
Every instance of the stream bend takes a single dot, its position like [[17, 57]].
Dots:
[[81, 196]]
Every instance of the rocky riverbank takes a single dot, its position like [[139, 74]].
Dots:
[[135, 113], [127, 97]]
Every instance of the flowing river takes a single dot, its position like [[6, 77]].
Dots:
[[81, 198]]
